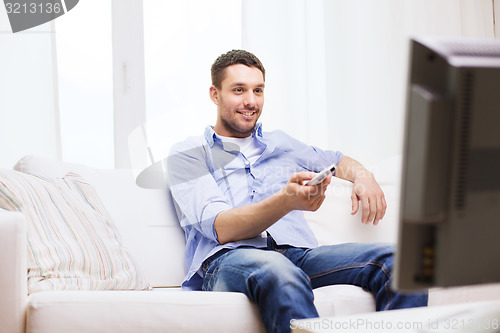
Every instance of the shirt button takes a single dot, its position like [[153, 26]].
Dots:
[[247, 163]]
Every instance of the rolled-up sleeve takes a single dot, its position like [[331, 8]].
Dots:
[[198, 203], [197, 197], [308, 157], [326, 158]]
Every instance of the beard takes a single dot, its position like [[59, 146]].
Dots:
[[235, 128], [239, 128]]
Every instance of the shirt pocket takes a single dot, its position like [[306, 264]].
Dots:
[[275, 177]]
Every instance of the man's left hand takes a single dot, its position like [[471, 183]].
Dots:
[[367, 191]]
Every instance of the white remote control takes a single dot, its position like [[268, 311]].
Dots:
[[322, 175]]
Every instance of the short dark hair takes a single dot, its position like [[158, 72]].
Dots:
[[230, 58]]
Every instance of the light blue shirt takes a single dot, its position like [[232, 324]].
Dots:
[[208, 176]]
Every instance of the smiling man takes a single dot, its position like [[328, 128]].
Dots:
[[239, 101], [240, 194]]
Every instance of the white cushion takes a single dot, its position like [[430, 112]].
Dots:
[[158, 311], [145, 217], [343, 299], [170, 310], [73, 243]]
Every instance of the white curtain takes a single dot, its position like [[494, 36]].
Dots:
[[289, 38], [337, 68]]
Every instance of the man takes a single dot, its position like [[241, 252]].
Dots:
[[240, 194]]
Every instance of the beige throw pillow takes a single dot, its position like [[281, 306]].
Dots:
[[73, 244]]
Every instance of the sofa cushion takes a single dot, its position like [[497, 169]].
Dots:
[[72, 241], [170, 310], [158, 311], [145, 217]]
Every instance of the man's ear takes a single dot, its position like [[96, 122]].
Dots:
[[214, 95]]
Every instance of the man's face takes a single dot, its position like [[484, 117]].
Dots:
[[239, 101]]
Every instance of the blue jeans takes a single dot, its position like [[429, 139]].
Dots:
[[280, 279]]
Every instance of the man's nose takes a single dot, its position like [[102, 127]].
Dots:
[[249, 99]]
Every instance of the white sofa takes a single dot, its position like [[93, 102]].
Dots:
[[149, 229]]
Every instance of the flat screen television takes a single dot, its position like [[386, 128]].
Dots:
[[449, 226]]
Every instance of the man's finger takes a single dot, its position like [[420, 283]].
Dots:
[[373, 211], [299, 177], [384, 205], [365, 204], [355, 203], [380, 210]]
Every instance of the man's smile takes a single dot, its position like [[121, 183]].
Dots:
[[247, 114]]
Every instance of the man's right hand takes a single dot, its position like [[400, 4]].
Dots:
[[301, 197]]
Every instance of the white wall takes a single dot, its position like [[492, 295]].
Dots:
[[496, 10], [128, 75]]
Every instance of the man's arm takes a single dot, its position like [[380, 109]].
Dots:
[[249, 221], [365, 189]]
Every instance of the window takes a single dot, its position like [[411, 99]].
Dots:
[[85, 74], [181, 40]]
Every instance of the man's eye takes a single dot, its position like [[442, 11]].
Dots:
[[238, 90], [259, 91]]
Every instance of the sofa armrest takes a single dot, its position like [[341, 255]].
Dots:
[[13, 284]]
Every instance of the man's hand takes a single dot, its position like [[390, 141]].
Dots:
[[301, 197], [367, 190]]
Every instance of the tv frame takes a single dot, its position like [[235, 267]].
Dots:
[[449, 224]]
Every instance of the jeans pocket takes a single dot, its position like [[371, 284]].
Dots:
[[206, 264]]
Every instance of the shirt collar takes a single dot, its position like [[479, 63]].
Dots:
[[258, 130], [212, 137]]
